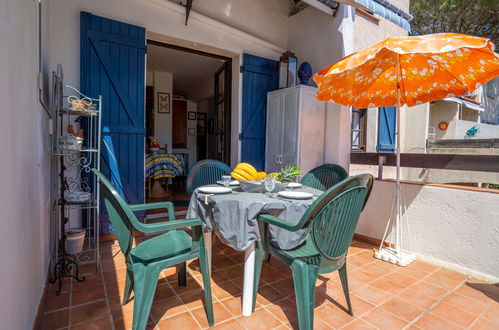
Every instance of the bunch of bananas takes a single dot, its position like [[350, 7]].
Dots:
[[246, 172]]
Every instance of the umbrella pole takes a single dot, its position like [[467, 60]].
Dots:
[[396, 255]]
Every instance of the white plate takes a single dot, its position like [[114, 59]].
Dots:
[[232, 183], [295, 194], [214, 190], [294, 185]]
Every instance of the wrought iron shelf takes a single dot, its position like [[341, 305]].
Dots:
[[71, 173]]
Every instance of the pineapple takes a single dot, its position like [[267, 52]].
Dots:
[[289, 173]]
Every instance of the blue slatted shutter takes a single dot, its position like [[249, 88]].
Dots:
[[260, 76], [387, 120], [113, 65]]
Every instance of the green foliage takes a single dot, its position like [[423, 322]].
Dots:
[[288, 173], [473, 17]]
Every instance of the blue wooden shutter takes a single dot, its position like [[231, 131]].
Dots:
[[387, 120], [112, 64], [260, 76]]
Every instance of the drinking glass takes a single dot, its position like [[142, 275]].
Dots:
[[269, 185], [226, 180]]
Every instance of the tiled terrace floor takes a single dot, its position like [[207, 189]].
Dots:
[[384, 296]]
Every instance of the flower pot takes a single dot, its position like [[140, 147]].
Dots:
[[75, 239]]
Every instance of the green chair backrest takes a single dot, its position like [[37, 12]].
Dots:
[[119, 212], [335, 214], [324, 176], [205, 172]]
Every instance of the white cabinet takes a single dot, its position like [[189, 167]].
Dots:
[[295, 129]]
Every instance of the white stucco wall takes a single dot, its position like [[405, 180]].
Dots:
[[457, 229], [163, 83], [24, 169]]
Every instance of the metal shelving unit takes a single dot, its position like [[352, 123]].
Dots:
[[75, 192]]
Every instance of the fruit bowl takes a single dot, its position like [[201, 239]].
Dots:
[[259, 186]]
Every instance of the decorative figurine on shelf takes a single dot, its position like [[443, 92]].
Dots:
[[71, 131], [154, 145], [305, 73]]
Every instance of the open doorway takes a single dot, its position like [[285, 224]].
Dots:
[[187, 113]]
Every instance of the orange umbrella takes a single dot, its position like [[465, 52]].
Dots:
[[408, 71], [426, 68]]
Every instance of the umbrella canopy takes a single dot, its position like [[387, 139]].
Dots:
[[408, 71], [426, 68]]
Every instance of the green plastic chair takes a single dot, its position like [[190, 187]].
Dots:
[[331, 219], [324, 176], [207, 171], [145, 262]]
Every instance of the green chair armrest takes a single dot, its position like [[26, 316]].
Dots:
[[271, 220], [154, 206], [166, 225]]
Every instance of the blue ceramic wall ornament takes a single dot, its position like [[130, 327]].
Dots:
[[305, 73]]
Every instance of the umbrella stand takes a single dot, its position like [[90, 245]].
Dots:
[[396, 255]]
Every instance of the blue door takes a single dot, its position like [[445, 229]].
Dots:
[[387, 121], [260, 76], [112, 64]]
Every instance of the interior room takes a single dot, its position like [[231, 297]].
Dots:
[[185, 122]]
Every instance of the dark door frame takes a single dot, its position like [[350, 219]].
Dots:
[[227, 92]]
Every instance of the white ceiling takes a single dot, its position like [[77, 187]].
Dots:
[[189, 70]]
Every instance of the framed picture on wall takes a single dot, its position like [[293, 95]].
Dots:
[[191, 131], [164, 102], [191, 115]]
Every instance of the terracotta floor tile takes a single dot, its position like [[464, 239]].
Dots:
[[452, 275], [363, 275], [453, 314], [55, 320], [260, 319], [378, 268], [318, 325], [432, 322], [87, 269], [413, 272], [55, 302], [232, 324], [220, 314], [402, 309], [225, 289], [181, 321], [112, 264], [483, 324], [360, 306], [492, 314], [116, 306], [114, 275], [372, 294], [425, 267], [101, 323], [416, 298], [90, 282], [284, 310], [430, 289], [233, 305], [167, 307], [115, 288], [442, 280], [286, 287], [332, 316], [359, 324], [268, 294], [83, 296], [387, 286], [194, 298], [383, 319], [89, 311], [470, 305], [402, 279], [477, 291], [163, 291]]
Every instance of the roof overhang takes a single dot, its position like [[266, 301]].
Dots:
[[467, 104]]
